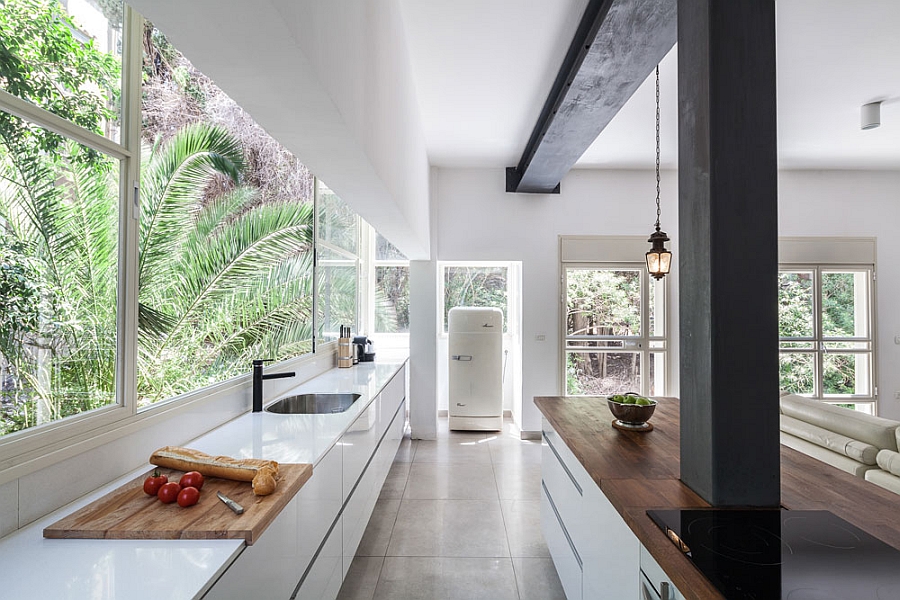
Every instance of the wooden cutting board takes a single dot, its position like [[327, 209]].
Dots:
[[129, 514]]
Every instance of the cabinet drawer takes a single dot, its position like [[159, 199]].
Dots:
[[392, 395], [323, 581], [565, 558], [609, 550], [361, 503], [358, 444]]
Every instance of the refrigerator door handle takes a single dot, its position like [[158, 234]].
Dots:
[[462, 357]]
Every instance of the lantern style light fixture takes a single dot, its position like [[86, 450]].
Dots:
[[659, 260]]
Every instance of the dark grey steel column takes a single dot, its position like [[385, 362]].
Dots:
[[728, 251]]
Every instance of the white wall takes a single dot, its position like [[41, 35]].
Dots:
[[855, 203], [477, 220]]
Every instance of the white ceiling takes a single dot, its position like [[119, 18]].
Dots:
[[482, 71]]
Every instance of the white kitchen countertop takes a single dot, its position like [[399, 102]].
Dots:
[[181, 569]]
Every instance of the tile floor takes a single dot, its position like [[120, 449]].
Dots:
[[458, 519]]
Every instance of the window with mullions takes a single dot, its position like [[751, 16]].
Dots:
[[825, 323], [614, 331], [337, 264], [391, 288], [59, 210]]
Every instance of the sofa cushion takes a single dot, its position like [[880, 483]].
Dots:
[[859, 451], [826, 456], [884, 479], [876, 431], [889, 461]]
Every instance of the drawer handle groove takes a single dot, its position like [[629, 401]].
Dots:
[[563, 527], [562, 463]]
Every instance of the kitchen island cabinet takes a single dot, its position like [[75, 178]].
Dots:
[[635, 472]]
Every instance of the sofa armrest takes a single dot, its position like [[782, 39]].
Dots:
[[855, 449]]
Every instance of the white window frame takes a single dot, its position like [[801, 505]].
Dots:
[[612, 251], [36, 448], [818, 341], [393, 340], [644, 344]]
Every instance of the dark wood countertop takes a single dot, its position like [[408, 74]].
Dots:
[[640, 471]]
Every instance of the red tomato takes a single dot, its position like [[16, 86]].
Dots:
[[154, 482], [168, 493], [192, 479], [188, 496]]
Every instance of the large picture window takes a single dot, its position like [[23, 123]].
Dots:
[[59, 210], [615, 338], [226, 234], [153, 238], [825, 323]]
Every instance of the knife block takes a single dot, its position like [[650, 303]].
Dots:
[[345, 353]]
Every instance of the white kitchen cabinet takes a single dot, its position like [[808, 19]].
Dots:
[[361, 503], [324, 578], [306, 551], [559, 543], [594, 551], [654, 583], [609, 551], [358, 445], [277, 561]]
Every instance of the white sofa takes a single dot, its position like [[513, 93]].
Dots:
[[861, 444]]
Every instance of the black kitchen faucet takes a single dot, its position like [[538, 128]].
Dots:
[[258, 379]]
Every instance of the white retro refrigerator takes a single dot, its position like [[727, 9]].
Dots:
[[476, 368]]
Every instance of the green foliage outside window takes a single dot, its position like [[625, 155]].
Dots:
[[475, 286], [225, 271]]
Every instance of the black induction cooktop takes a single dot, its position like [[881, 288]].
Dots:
[[786, 554]]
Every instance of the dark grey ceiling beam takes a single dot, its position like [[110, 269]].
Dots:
[[616, 46]]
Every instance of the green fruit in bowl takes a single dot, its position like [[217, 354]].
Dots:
[[643, 401], [629, 400], [617, 398]]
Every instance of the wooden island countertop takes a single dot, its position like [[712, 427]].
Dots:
[[640, 471]]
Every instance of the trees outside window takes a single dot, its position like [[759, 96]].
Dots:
[[615, 336], [221, 243], [825, 322], [470, 285]]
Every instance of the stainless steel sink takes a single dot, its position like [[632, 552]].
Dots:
[[313, 404]]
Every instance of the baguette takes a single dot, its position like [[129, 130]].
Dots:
[[187, 459]]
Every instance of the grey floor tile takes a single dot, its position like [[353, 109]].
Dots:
[[378, 532], [512, 449], [449, 528], [537, 579], [451, 481], [362, 577], [395, 483], [522, 519], [443, 578], [518, 481], [453, 450], [406, 451]]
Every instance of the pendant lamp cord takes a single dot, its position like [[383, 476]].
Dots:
[[657, 148]]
